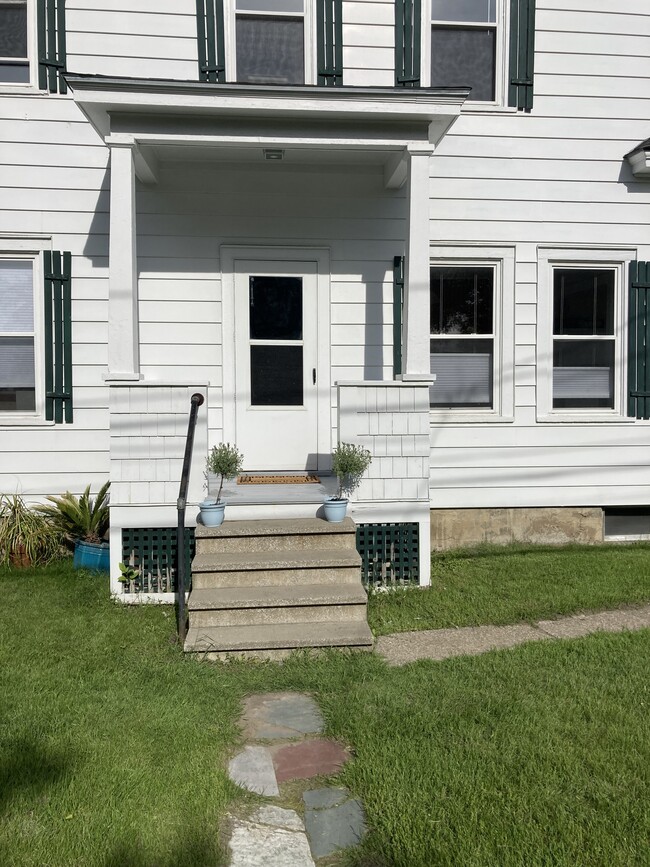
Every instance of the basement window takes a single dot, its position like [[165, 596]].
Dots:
[[627, 524]]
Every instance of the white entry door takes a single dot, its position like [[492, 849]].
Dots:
[[276, 364]]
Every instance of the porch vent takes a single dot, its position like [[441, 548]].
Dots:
[[390, 554], [627, 524], [152, 550]]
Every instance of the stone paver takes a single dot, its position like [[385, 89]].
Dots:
[[280, 716], [254, 845], [310, 758], [333, 821], [437, 644], [269, 814], [253, 769]]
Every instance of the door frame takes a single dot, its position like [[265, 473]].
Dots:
[[320, 256]]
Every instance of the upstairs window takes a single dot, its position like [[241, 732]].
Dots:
[[462, 336], [464, 46], [14, 57], [270, 41]]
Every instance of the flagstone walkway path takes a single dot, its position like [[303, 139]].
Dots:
[[285, 746]]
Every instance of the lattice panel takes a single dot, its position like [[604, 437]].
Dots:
[[152, 550], [390, 553]]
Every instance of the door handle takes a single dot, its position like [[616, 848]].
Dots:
[[313, 375]]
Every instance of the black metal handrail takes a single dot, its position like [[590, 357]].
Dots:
[[196, 401]]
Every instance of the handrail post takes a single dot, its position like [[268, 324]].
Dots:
[[196, 401]]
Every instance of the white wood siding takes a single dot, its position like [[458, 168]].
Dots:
[[554, 177]]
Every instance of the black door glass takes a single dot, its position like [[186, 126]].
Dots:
[[275, 308], [276, 376]]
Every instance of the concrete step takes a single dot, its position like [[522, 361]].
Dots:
[[280, 568], [309, 603], [275, 641], [276, 535]]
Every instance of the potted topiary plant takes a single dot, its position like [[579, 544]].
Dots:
[[27, 538], [349, 463], [83, 522], [226, 462]]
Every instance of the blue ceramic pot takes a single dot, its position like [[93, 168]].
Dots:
[[335, 510], [212, 513], [91, 555]]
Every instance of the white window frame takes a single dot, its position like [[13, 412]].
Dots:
[[30, 249], [230, 40], [548, 260], [502, 259], [501, 59], [32, 55]]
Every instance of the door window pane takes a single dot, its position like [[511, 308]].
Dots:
[[270, 50], [464, 57], [275, 308], [276, 376]]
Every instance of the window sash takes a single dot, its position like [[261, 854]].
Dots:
[[19, 354]]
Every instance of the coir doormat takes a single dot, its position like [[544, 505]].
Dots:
[[277, 480]]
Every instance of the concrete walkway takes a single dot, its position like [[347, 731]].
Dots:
[[404, 647]]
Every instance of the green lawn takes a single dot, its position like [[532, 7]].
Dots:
[[113, 746], [495, 584]]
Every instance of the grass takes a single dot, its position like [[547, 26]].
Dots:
[[113, 746], [500, 585]]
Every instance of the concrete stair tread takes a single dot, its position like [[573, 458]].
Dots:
[[237, 561], [276, 527], [273, 596], [215, 639]]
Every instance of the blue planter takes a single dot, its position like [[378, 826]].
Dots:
[[335, 510], [91, 555], [212, 513]]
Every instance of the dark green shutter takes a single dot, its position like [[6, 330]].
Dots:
[[522, 54], [638, 379], [58, 336], [408, 30], [329, 32], [209, 34], [398, 300], [51, 45]]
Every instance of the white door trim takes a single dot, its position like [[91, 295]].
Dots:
[[230, 255]]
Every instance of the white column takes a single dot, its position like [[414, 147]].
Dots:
[[123, 338], [415, 350]]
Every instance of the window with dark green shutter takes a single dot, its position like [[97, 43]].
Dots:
[[638, 379], [522, 54], [329, 35], [51, 45], [408, 24], [209, 32], [58, 336]]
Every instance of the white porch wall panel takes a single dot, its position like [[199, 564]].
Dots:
[[555, 177]]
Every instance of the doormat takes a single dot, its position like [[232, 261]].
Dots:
[[278, 480]]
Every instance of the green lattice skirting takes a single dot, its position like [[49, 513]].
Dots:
[[390, 554], [153, 552]]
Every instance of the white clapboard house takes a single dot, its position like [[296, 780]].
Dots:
[[417, 225]]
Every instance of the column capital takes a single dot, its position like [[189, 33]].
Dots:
[[420, 150], [120, 140]]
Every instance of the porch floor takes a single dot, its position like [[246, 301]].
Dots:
[[268, 495]]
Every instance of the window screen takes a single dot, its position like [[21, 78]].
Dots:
[[17, 370], [14, 65], [463, 46]]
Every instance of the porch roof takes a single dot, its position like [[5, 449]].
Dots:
[[180, 113]]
